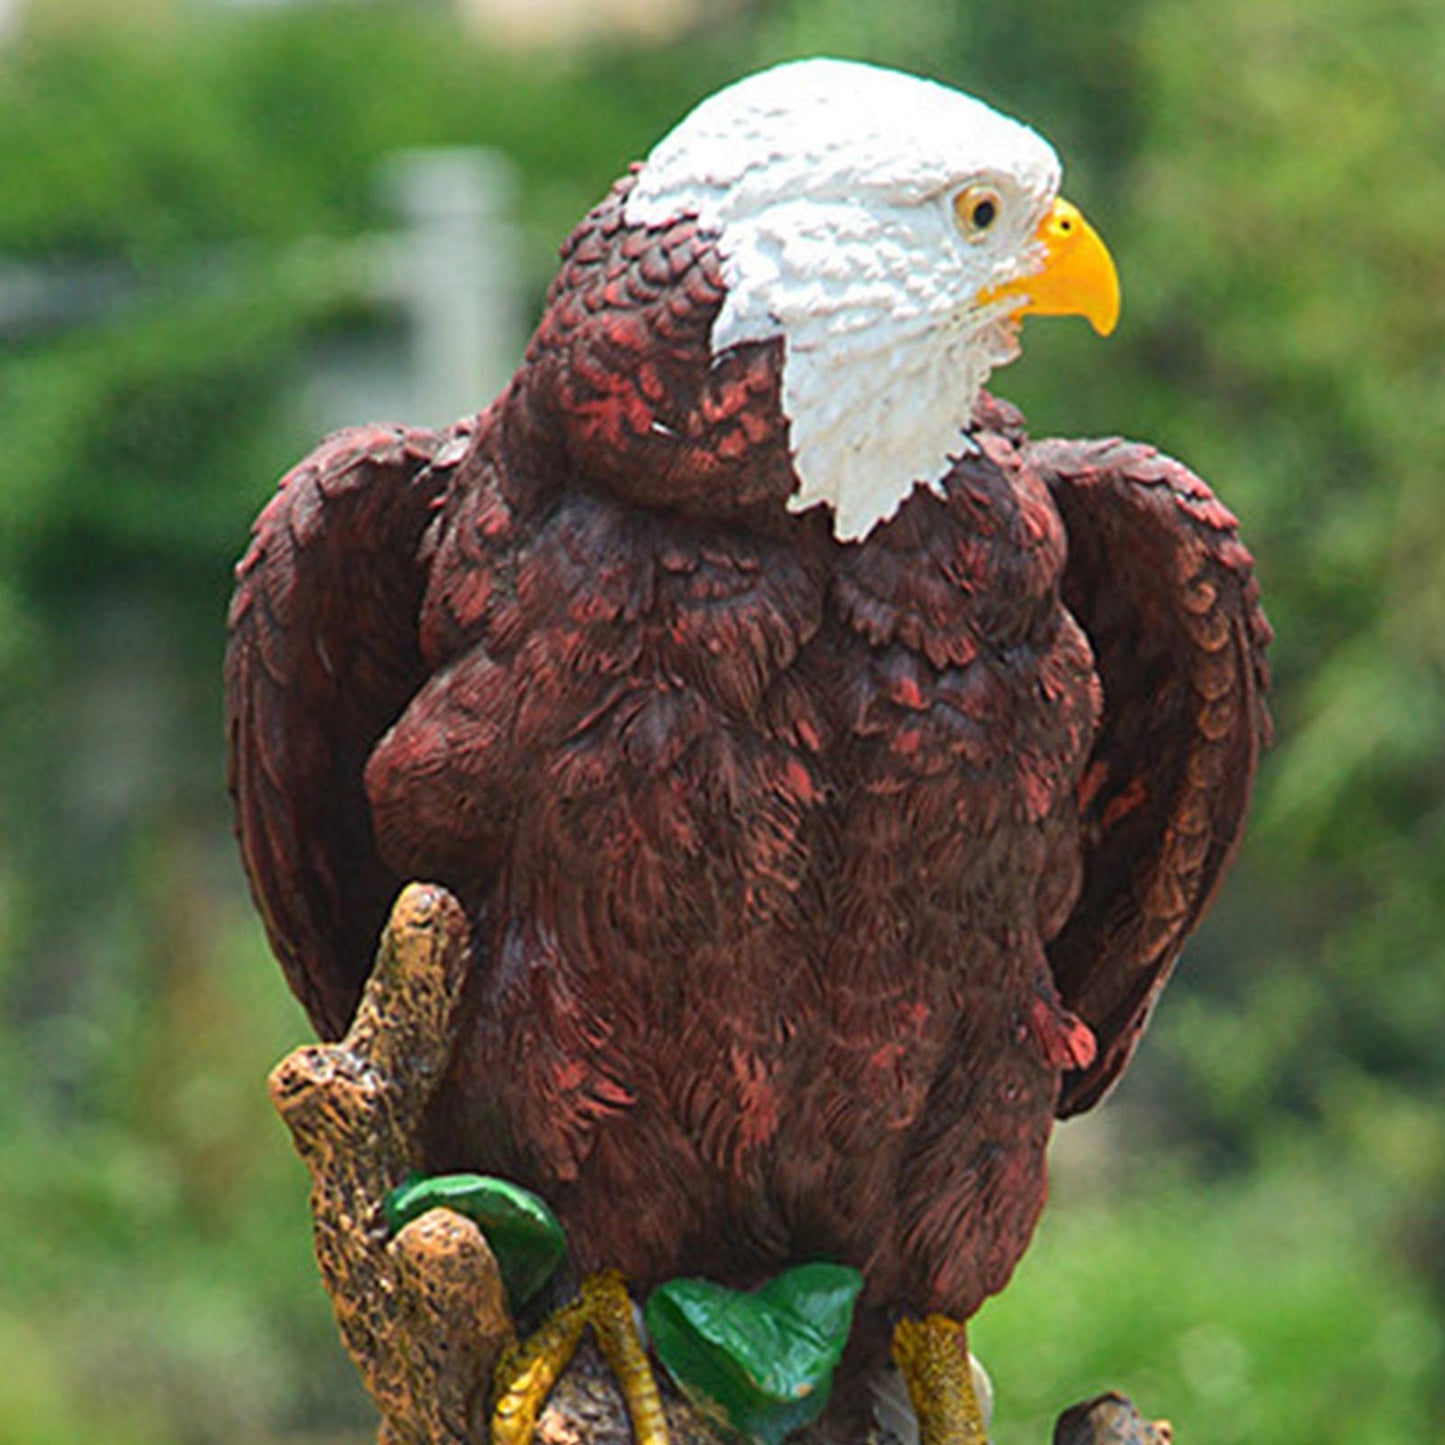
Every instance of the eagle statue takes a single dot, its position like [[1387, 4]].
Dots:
[[830, 773]]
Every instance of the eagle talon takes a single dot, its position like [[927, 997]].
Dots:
[[932, 1354], [527, 1372]]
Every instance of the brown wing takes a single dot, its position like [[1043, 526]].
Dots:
[[322, 657], [1160, 581]]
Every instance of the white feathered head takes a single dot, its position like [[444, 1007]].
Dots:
[[891, 232]]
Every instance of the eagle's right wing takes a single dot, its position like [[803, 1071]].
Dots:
[[1165, 589], [323, 656]]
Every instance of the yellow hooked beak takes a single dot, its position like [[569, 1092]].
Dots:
[[1078, 276]]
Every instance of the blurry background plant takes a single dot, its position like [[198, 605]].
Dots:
[[1251, 1235]]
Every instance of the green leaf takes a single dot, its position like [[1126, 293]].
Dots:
[[524, 1234], [760, 1363]]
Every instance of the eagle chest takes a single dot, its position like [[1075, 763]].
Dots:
[[779, 801], [724, 719]]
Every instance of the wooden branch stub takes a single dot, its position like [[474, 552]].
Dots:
[[453, 1320], [423, 1315], [1110, 1419]]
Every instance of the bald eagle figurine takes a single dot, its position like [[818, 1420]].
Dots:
[[831, 774]]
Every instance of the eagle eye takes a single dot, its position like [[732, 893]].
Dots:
[[977, 208]]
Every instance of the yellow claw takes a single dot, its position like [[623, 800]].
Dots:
[[609, 1310], [527, 1372], [932, 1354]]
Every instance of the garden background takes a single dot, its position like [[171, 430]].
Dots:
[[1250, 1236]]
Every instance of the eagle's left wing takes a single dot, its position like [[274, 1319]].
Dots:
[[1160, 581], [323, 655]]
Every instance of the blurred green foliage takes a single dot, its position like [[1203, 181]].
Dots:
[[1252, 1236]]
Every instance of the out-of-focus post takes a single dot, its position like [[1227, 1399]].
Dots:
[[457, 276]]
